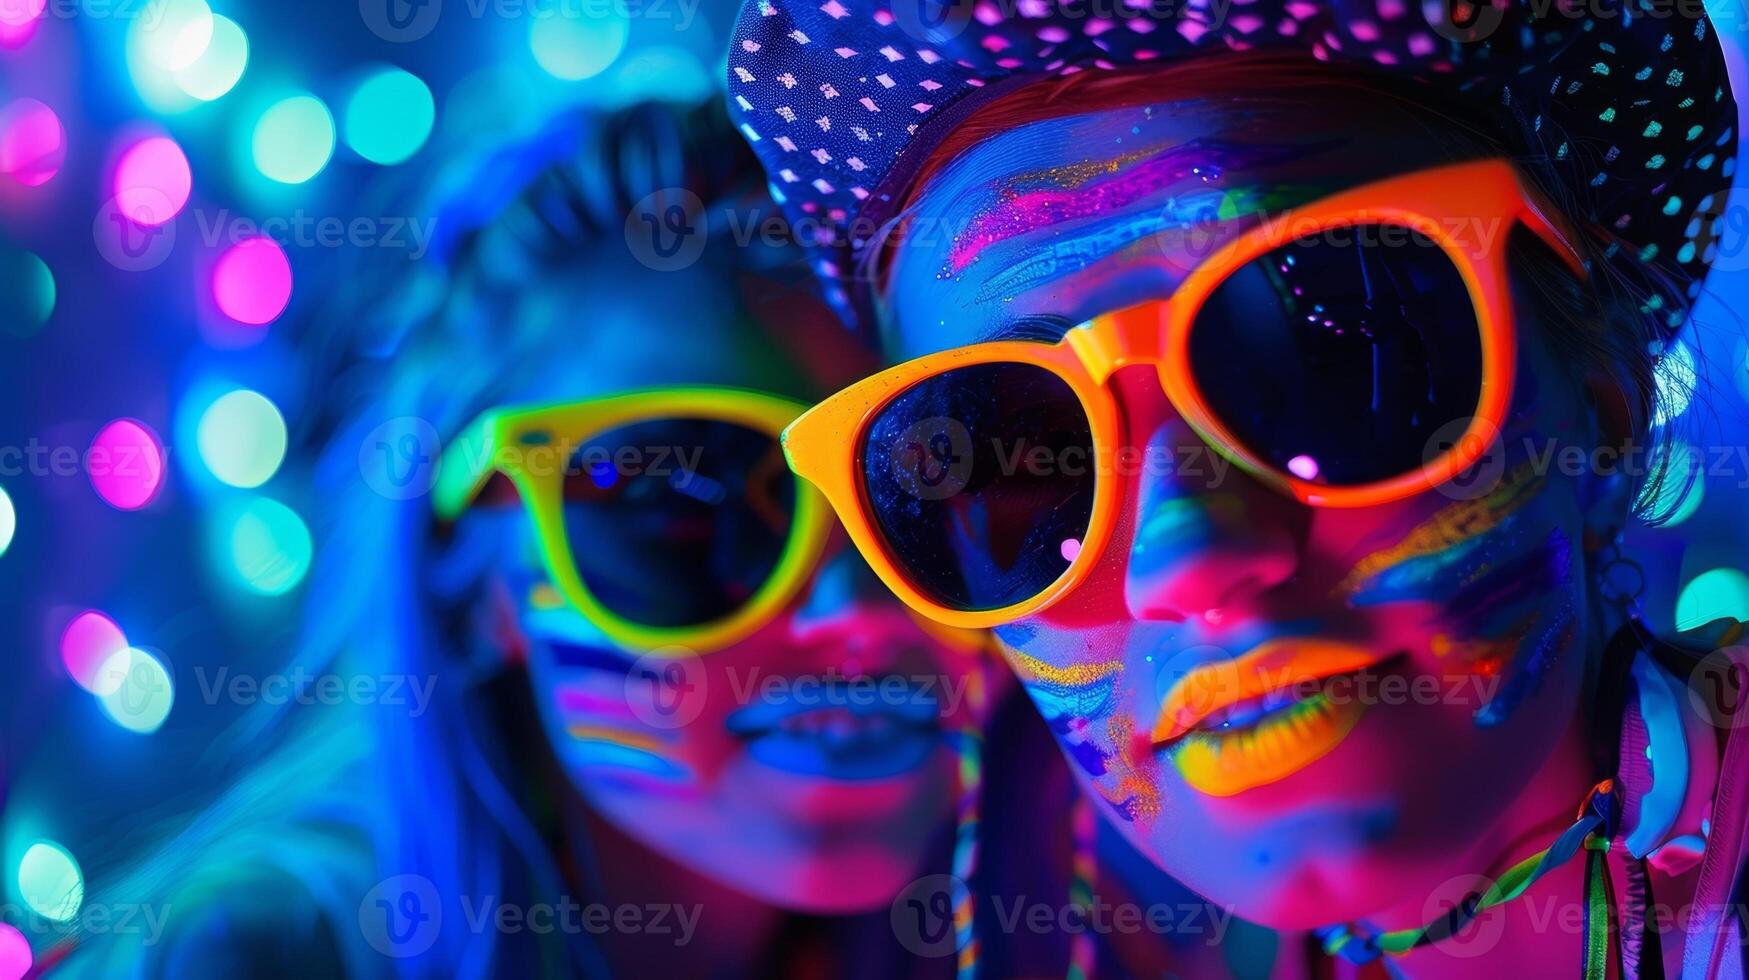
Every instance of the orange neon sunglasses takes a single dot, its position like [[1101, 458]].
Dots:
[[824, 445]]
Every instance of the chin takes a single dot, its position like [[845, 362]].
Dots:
[[844, 881]]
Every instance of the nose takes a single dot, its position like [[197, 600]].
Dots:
[[1207, 537], [845, 601]]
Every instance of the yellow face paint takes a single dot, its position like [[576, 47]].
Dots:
[[1034, 670], [1451, 526]]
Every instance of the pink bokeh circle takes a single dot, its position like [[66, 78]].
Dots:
[[89, 640], [33, 144], [152, 173], [252, 281], [126, 464]]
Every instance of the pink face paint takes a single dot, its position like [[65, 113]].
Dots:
[[1074, 196]]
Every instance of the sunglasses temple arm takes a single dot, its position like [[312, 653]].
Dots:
[[462, 470]]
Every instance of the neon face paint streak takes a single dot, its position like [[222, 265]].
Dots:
[[1450, 527], [588, 657], [1073, 691], [1073, 254], [1526, 676], [1069, 195], [608, 757], [578, 700], [1033, 670], [1481, 656], [1528, 578]]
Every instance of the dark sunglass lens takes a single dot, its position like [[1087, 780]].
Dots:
[[981, 481], [1342, 358], [677, 522]]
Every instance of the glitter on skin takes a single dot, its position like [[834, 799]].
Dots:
[[1132, 780], [1529, 578], [1031, 670], [1450, 527], [1018, 212], [1527, 675], [1485, 657], [1072, 254]]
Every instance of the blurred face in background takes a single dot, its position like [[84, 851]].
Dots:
[[810, 765]]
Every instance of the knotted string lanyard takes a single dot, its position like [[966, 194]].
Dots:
[[1591, 833]]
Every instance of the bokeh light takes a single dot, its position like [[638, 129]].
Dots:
[[138, 692], [293, 140], [49, 881], [1675, 378], [268, 547], [660, 72], [33, 144], [86, 645], [1711, 595], [152, 175], [389, 116], [241, 438], [252, 281], [18, 21], [220, 66], [1681, 488], [15, 958], [8, 520], [27, 291], [577, 47], [126, 464], [176, 34]]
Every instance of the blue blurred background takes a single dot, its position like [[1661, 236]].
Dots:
[[149, 385]]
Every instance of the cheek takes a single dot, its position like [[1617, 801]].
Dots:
[[1077, 680], [1488, 589]]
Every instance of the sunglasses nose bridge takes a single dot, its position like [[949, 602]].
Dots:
[[1113, 341]]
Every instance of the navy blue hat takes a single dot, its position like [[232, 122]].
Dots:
[[842, 99]]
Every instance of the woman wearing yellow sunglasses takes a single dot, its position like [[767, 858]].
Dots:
[[1225, 391], [735, 704]]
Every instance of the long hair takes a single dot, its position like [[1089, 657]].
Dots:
[[310, 811]]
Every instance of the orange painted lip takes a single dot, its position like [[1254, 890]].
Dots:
[[1271, 666]]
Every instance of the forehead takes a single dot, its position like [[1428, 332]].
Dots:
[[1070, 216], [610, 324]]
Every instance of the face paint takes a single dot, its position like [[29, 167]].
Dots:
[[1429, 588], [1526, 675], [1451, 527]]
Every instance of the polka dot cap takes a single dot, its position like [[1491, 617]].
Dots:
[[840, 98]]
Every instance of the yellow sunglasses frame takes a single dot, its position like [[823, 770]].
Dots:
[[500, 441], [823, 445]]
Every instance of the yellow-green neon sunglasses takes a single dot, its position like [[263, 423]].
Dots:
[[533, 447]]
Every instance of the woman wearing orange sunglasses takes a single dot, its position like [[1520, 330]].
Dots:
[[1226, 382]]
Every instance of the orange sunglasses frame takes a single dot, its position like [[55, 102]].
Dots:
[[824, 444]]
